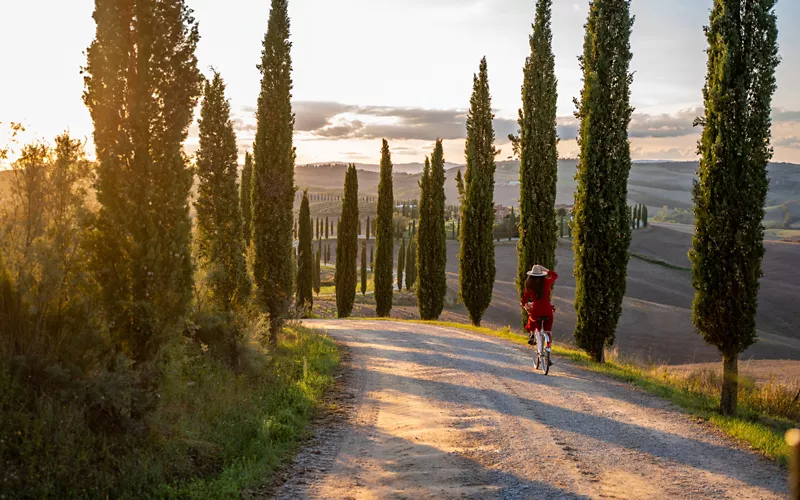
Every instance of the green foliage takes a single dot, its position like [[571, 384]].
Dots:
[[644, 215], [538, 151], [317, 272], [219, 239], [305, 264], [246, 187], [476, 256], [363, 268], [213, 431], [401, 263], [384, 237], [460, 187], [273, 172], [602, 224], [411, 264], [431, 253], [143, 231], [346, 276], [730, 196], [48, 307]]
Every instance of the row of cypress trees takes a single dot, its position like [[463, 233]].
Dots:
[[729, 198]]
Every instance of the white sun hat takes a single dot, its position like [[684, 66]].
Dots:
[[537, 270]]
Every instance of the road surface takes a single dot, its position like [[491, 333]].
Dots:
[[434, 412]]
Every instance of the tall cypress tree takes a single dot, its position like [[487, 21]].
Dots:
[[141, 98], [431, 246], [273, 172], [317, 270], [728, 248], [476, 256], [384, 237], [245, 188], [602, 224], [401, 263], [363, 268], [327, 227], [220, 242], [644, 215], [368, 228], [462, 192], [346, 275], [305, 257], [411, 263], [538, 150]]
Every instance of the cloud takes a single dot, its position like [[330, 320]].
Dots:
[[640, 153], [792, 142], [664, 125], [328, 120], [785, 115], [331, 120]]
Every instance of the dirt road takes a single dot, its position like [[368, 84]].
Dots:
[[432, 412]]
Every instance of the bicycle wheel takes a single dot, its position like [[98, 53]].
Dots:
[[544, 364]]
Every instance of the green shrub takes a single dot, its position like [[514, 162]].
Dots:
[[212, 431]]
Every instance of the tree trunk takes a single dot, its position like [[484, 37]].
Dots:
[[730, 383]]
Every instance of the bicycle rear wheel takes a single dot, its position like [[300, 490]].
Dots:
[[544, 363]]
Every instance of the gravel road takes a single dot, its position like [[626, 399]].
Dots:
[[434, 412]]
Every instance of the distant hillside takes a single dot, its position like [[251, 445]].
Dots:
[[655, 184]]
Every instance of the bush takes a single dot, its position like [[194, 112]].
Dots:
[[211, 432]]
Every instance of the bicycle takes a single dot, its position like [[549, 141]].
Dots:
[[542, 361]]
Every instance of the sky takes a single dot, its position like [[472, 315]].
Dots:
[[399, 69]]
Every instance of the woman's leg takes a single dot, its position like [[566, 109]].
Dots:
[[548, 328]]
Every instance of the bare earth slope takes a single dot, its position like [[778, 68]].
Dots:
[[439, 413]]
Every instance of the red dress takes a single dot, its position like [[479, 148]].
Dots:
[[542, 307]]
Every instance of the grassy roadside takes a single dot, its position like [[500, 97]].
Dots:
[[259, 422], [752, 427], [213, 432]]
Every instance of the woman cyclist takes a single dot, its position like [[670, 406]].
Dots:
[[536, 301]]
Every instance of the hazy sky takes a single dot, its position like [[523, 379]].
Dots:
[[400, 69]]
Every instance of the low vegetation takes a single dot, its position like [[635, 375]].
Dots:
[[213, 430]]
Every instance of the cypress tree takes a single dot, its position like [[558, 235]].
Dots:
[[460, 187], [220, 242], [141, 99], [639, 216], [273, 172], [384, 239], [368, 228], [602, 221], [728, 248], [476, 256], [411, 264], [401, 263], [644, 215], [372, 259], [359, 228], [363, 268], [538, 150], [317, 269], [305, 257], [244, 196], [327, 226], [346, 275], [431, 247]]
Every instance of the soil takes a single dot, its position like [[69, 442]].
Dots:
[[433, 412]]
